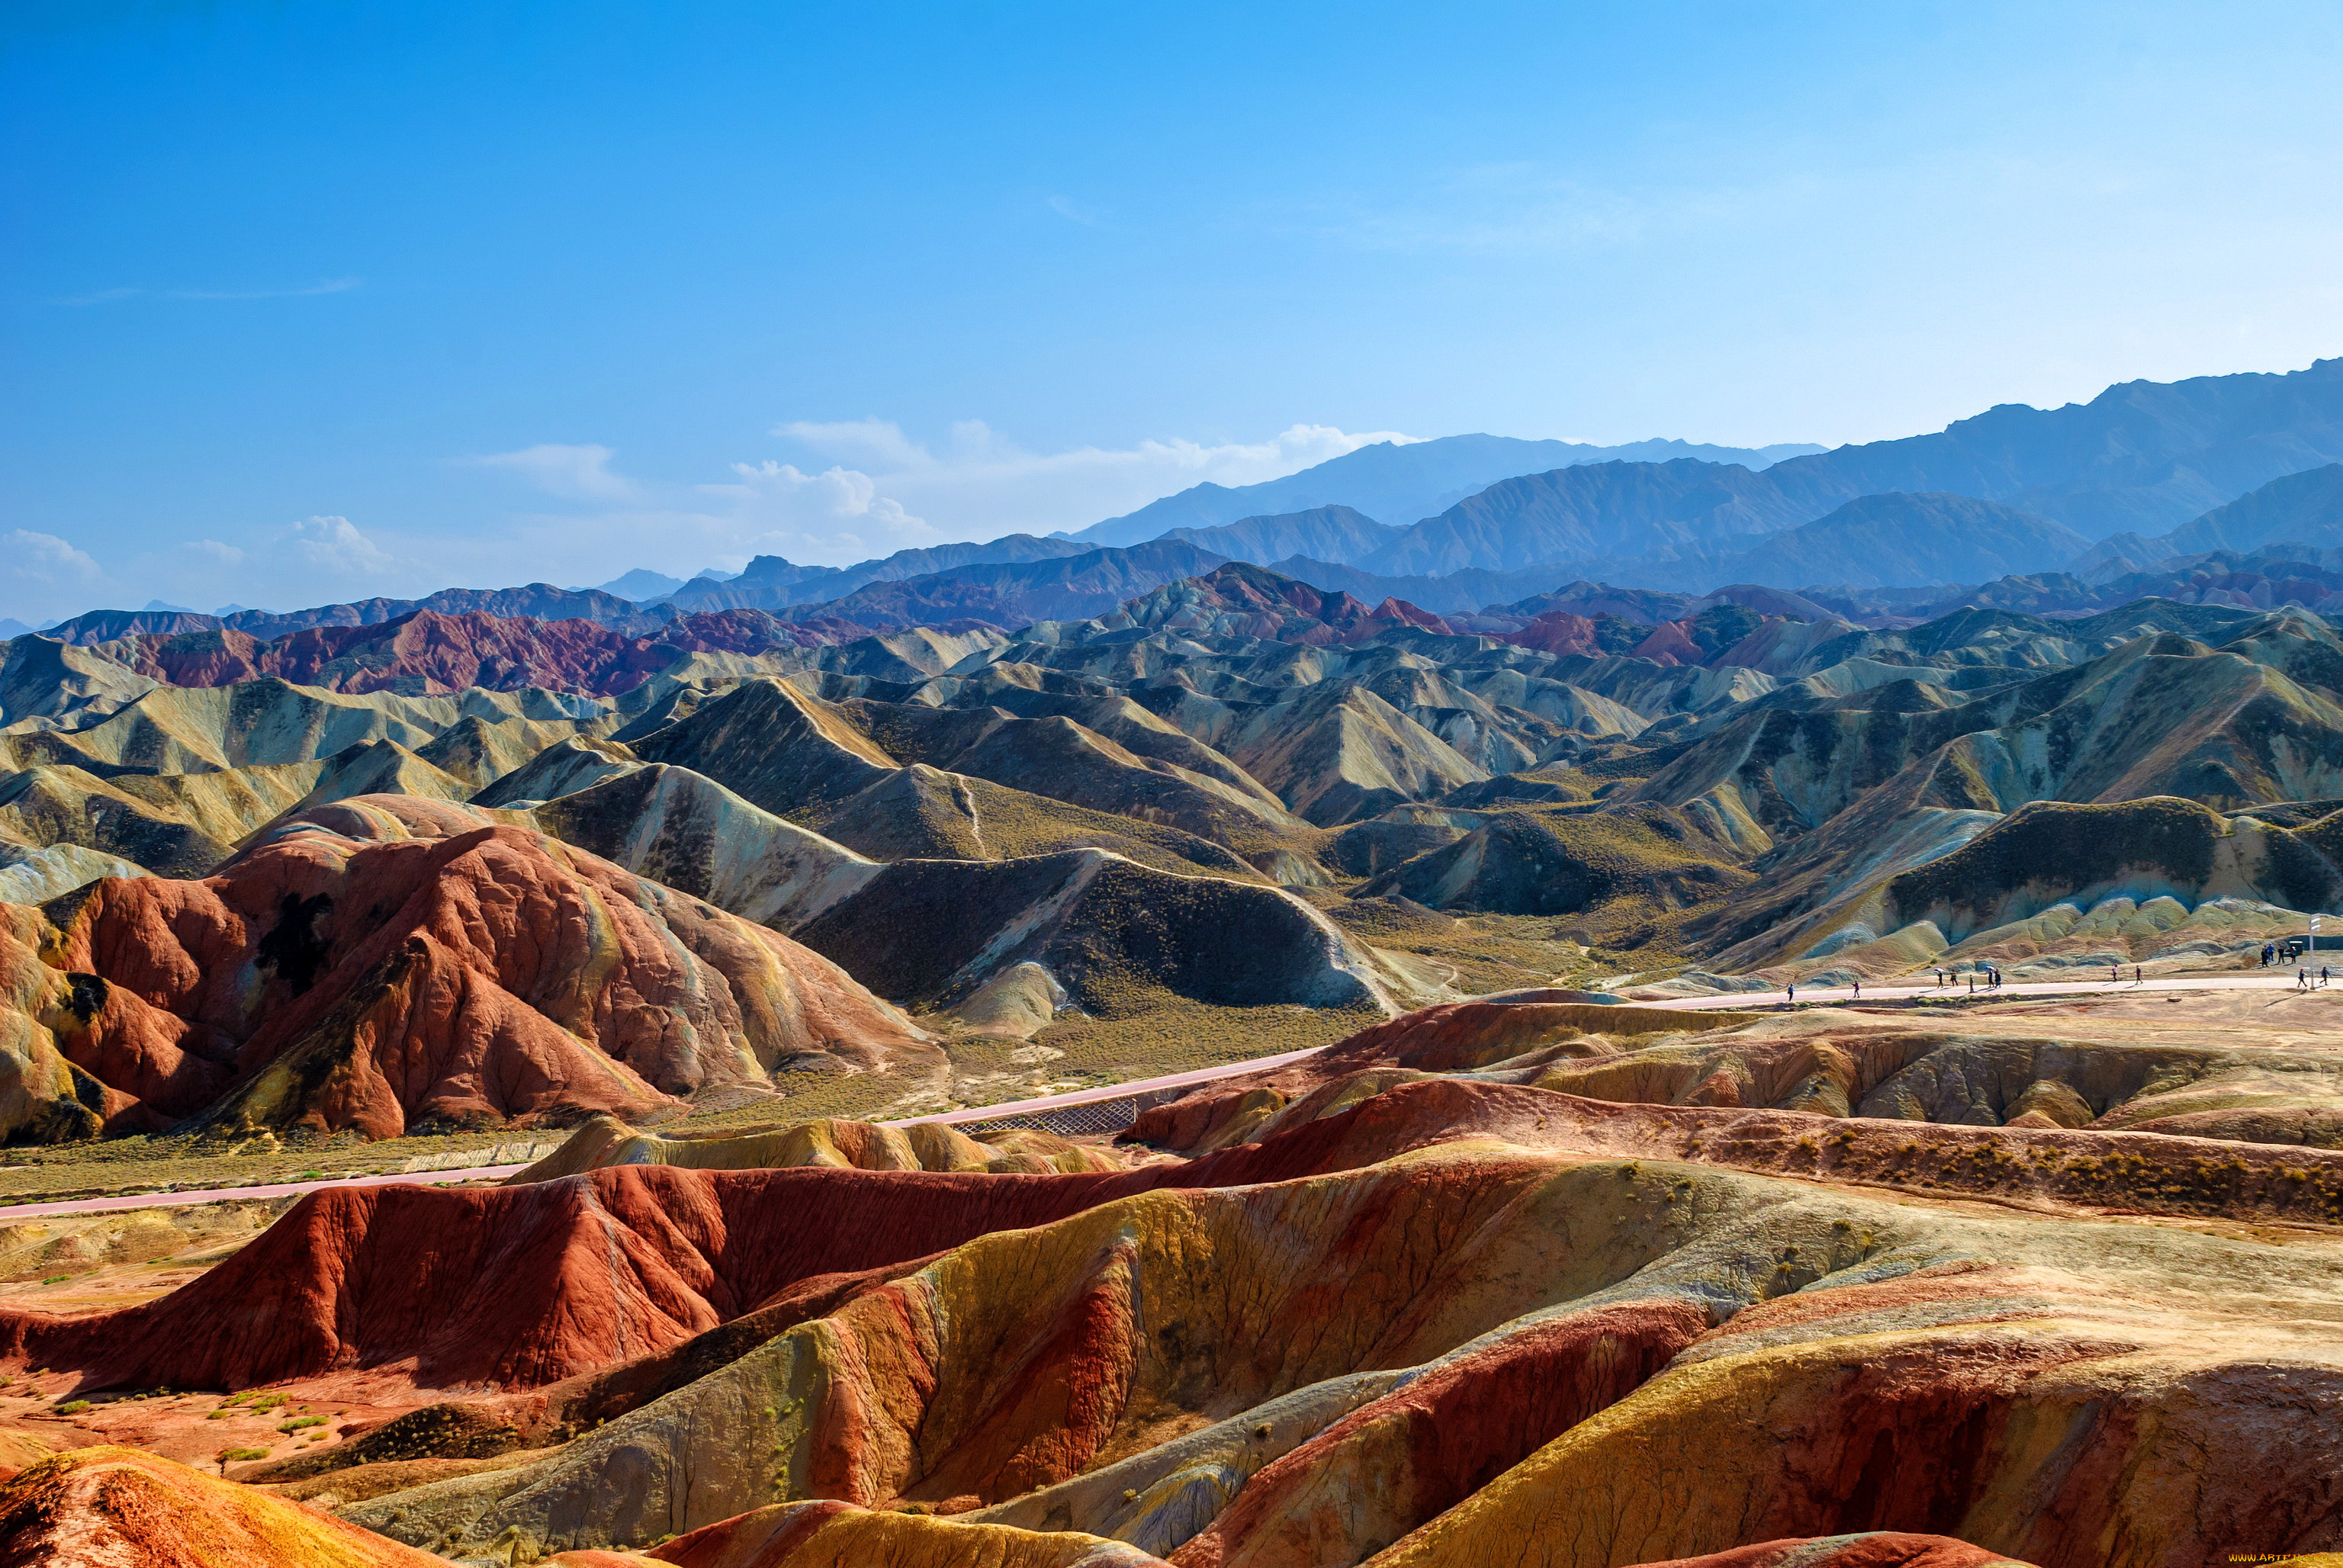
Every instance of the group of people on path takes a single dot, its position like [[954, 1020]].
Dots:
[[2302, 980], [1992, 976]]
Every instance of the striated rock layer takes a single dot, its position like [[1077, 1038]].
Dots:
[[1481, 1305], [97, 1507], [1412, 1302], [339, 982], [1457, 1321]]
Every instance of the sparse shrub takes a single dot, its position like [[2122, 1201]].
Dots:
[[73, 1407], [299, 1422], [230, 1455]]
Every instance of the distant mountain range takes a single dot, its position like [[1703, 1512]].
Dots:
[[1687, 518], [2145, 483], [1397, 483], [2141, 453], [1893, 540], [1323, 533], [1014, 594], [2304, 508], [1454, 593], [770, 582]]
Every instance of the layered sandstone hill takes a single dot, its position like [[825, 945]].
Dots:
[[1430, 1307], [998, 943], [340, 981], [428, 651], [604, 1141], [1241, 599], [2232, 1073], [108, 1505], [1201, 801], [1765, 742]]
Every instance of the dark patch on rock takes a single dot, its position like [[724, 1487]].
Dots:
[[85, 996], [293, 947]]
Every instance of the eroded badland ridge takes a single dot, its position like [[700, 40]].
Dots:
[[1576, 1237]]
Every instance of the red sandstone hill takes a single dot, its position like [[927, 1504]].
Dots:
[[428, 652], [111, 1505], [1470, 1314], [1424, 1320], [1559, 632], [325, 981]]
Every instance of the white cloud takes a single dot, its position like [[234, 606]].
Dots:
[[858, 488], [43, 578], [45, 560], [879, 442], [978, 484], [869, 490], [333, 545], [574, 473], [838, 510]]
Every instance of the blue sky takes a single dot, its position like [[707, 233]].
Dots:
[[306, 301]]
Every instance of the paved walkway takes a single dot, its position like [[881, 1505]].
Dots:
[[1108, 1091], [14, 1212], [2082, 985]]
